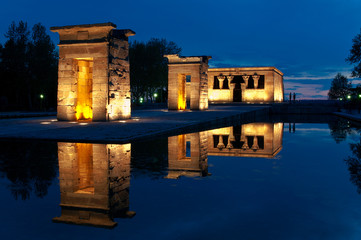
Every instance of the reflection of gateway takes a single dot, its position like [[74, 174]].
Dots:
[[187, 155], [247, 140], [94, 183]]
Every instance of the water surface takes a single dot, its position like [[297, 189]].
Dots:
[[255, 181]]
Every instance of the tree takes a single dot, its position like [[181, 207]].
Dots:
[[28, 67], [15, 63], [355, 55], [340, 87], [44, 65], [148, 67]]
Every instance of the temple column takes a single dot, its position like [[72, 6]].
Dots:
[[243, 87], [245, 79], [231, 88], [255, 143], [221, 79], [255, 80], [245, 144], [220, 144]]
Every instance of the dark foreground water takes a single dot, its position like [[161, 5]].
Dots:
[[255, 181]]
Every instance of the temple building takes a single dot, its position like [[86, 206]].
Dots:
[[191, 84], [249, 85], [93, 72]]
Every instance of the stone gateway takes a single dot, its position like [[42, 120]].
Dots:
[[93, 75]]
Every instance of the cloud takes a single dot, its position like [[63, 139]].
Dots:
[[306, 90]]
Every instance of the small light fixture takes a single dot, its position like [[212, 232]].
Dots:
[[41, 96], [155, 95], [348, 96]]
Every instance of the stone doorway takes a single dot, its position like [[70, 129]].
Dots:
[[84, 106], [237, 93]]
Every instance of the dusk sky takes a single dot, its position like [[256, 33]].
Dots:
[[307, 40]]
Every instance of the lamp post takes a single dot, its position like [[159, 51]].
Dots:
[[41, 101]]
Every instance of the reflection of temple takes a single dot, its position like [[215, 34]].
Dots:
[[187, 155], [94, 183], [247, 140]]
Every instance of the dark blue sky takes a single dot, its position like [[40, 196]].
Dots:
[[307, 40]]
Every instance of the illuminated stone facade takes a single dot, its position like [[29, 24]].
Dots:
[[187, 155], [251, 84], [94, 183], [190, 72], [93, 75], [247, 140]]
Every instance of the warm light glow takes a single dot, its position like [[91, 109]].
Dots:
[[182, 92], [85, 168], [83, 107], [45, 122]]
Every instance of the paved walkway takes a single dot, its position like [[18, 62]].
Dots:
[[144, 123]]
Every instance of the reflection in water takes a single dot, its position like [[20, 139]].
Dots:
[[247, 140], [340, 129], [94, 183], [94, 179], [187, 155], [29, 166], [354, 165]]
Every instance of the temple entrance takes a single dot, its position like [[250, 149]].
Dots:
[[182, 98], [84, 109], [237, 93]]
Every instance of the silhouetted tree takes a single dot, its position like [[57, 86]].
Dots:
[[340, 87], [27, 66], [148, 67], [43, 65], [355, 56], [354, 165], [15, 65]]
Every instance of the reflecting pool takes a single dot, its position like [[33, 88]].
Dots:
[[261, 180]]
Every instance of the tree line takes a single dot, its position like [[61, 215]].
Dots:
[[29, 69], [341, 87]]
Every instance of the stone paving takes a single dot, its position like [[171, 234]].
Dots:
[[143, 124]]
